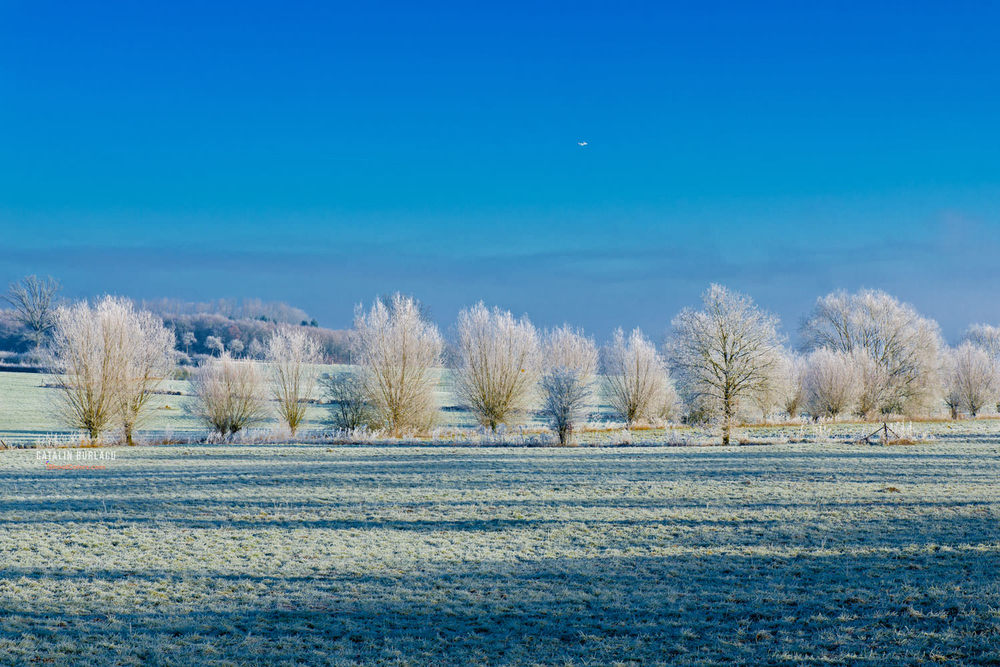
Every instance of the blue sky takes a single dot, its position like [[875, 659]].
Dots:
[[324, 153]]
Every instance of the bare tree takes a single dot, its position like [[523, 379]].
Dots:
[[635, 379], [971, 379], [498, 364], [399, 352], [293, 357], [229, 394], [570, 364], [724, 353], [146, 355], [349, 405], [903, 347], [33, 300], [832, 383]]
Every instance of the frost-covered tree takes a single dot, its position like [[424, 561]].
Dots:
[[292, 357], [897, 350], [108, 359], [794, 396], [498, 359], [671, 404], [832, 384], [971, 379], [783, 393], [984, 336], [188, 339], [569, 367], [724, 354], [84, 360], [256, 349], [215, 343], [147, 356], [34, 302], [636, 381], [399, 351], [229, 394]]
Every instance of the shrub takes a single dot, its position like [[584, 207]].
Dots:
[[349, 406], [229, 394]]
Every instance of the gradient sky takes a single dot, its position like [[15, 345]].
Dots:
[[322, 154]]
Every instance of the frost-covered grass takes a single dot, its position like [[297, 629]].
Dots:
[[295, 554], [29, 417]]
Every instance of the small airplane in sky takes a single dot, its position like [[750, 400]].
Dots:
[[582, 143]]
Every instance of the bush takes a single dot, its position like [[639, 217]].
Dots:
[[349, 406], [229, 394]]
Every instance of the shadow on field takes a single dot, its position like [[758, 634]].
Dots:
[[884, 607], [764, 557]]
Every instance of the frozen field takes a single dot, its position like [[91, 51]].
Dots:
[[411, 555]]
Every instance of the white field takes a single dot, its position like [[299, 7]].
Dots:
[[409, 555]]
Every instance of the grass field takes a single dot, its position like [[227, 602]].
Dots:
[[413, 555]]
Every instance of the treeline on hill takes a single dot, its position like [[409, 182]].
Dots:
[[240, 327], [210, 333]]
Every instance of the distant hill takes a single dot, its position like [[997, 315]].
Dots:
[[241, 326]]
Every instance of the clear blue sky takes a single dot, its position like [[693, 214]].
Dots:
[[324, 153]]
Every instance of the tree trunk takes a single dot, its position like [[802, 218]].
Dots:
[[727, 417]]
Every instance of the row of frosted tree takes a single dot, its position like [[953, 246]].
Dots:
[[725, 363]]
